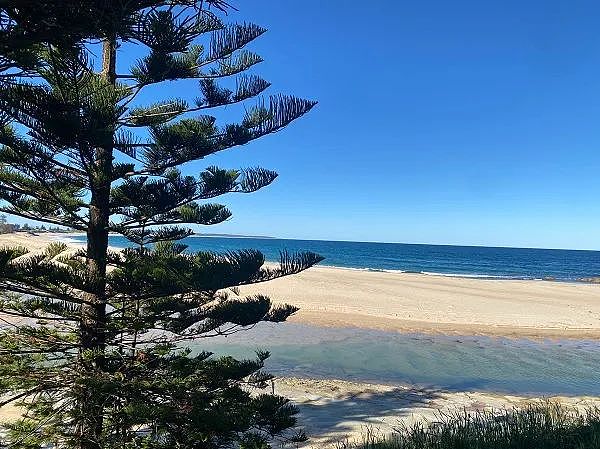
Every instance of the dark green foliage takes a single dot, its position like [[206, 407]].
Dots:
[[93, 346], [539, 426]]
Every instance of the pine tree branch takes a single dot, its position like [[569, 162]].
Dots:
[[36, 317], [17, 444], [62, 349], [31, 288], [37, 291], [31, 338], [131, 224], [45, 158], [136, 91], [166, 114], [23, 214], [21, 395], [9, 187], [199, 77], [66, 208], [154, 223]]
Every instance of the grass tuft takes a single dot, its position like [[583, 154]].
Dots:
[[544, 425]]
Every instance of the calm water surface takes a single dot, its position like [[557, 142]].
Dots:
[[522, 366]]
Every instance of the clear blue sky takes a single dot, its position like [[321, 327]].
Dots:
[[461, 122]]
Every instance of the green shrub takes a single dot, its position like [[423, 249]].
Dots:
[[541, 426]]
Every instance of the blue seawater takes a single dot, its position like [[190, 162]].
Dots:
[[551, 366], [467, 261]]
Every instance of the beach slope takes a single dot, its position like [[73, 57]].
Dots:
[[407, 302], [429, 303]]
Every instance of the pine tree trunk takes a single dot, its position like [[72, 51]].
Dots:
[[93, 318]]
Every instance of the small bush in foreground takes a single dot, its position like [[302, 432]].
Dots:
[[539, 426]]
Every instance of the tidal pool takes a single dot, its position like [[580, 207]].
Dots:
[[523, 366]]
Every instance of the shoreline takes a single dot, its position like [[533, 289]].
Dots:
[[422, 303], [583, 280], [580, 280], [333, 410]]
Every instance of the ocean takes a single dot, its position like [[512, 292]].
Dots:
[[463, 363], [464, 261]]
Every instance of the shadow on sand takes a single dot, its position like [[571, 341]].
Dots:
[[328, 420]]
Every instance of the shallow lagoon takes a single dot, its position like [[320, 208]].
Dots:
[[520, 366]]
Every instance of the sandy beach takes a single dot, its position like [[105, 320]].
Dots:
[[408, 302], [32, 242], [334, 410], [427, 303]]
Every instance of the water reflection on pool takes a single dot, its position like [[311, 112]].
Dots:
[[570, 367]]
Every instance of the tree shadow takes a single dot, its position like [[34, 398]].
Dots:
[[328, 420]]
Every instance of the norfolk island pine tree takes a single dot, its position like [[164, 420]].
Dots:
[[93, 350]]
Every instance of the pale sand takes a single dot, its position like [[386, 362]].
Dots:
[[335, 410], [424, 303], [33, 242], [427, 303]]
